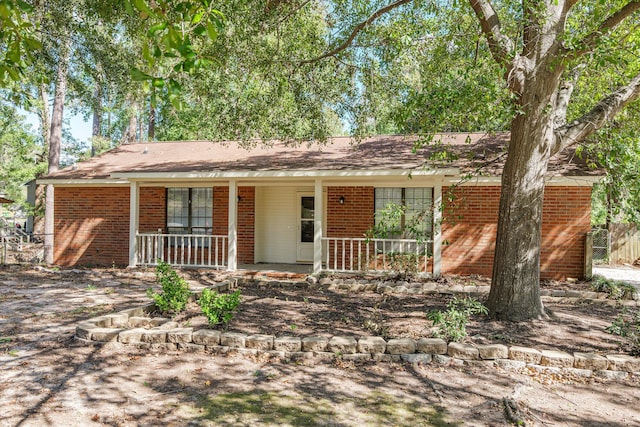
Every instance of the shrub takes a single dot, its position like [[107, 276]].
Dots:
[[452, 323], [627, 325], [219, 308], [175, 290], [615, 288]]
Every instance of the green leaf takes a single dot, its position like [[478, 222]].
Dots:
[[212, 30], [142, 6], [161, 26], [138, 75], [157, 82]]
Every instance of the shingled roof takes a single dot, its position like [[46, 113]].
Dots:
[[467, 153]]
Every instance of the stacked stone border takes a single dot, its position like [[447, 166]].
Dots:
[[134, 327]]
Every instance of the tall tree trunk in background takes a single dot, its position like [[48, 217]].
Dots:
[[55, 142], [151, 132], [96, 126], [131, 132], [45, 119]]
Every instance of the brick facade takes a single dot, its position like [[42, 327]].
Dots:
[[91, 226], [469, 229], [355, 216]]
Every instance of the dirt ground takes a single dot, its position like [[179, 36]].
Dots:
[[47, 379]]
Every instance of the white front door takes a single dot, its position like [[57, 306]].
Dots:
[[306, 217]]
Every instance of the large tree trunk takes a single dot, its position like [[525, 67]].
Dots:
[[151, 132], [515, 286], [55, 141]]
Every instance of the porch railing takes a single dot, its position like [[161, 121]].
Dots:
[[194, 250], [345, 254]]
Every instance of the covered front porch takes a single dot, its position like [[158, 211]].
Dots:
[[300, 221]]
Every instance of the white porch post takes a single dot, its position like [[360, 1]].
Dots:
[[318, 209], [437, 229], [134, 221], [232, 259]]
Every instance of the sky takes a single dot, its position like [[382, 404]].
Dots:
[[80, 129]]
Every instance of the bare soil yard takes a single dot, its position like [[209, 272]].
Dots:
[[46, 378]]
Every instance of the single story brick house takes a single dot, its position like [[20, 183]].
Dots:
[[213, 204]]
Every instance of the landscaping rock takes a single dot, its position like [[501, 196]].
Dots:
[[101, 321], [611, 375], [419, 358], [493, 351], [623, 362], [441, 359], [357, 357], [233, 339], [118, 319], [344, 345], [131, 336], [372, 345], [590, 361], [260, 342], [377, 357], [525, 354], [315, 343], [139, 322], [180, 335], [105, 334], [206, 337], [157, 321], [191, 348], [299, 355], [154, 336], [431, 346], [510, 364], [463, 351], [168, 325], [84, 329], [558, 359], [401, 346], [288, 344]]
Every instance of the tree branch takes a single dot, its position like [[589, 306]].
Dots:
[[564, 95], [500, 45], [599, 115], [609, 24], [345, 44]]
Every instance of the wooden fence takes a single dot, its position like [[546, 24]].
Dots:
[[625, 243]]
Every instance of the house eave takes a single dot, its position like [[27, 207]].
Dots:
[[559, 181], [195, 176]]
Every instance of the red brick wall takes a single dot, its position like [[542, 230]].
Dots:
[[355, 216], [246, 219], [470, 231], [246, 224], [91, 226], [153, 209]]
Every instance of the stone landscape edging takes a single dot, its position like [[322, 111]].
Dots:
[[128, 327]]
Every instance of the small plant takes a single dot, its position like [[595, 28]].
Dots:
[[91, 287], [219, 308], [452, 323], [627, 325], [175, 290], [615, 289]]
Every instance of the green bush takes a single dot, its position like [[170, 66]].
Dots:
[[615, 288], [175, 290], [219, 308], [627, 325], [452, 323]]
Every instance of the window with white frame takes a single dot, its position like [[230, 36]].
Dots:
[[404, 213], [189, 210]]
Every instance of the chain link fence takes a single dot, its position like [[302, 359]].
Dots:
[[601, 245]]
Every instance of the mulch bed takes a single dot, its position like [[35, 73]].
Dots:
[[298, 310]]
